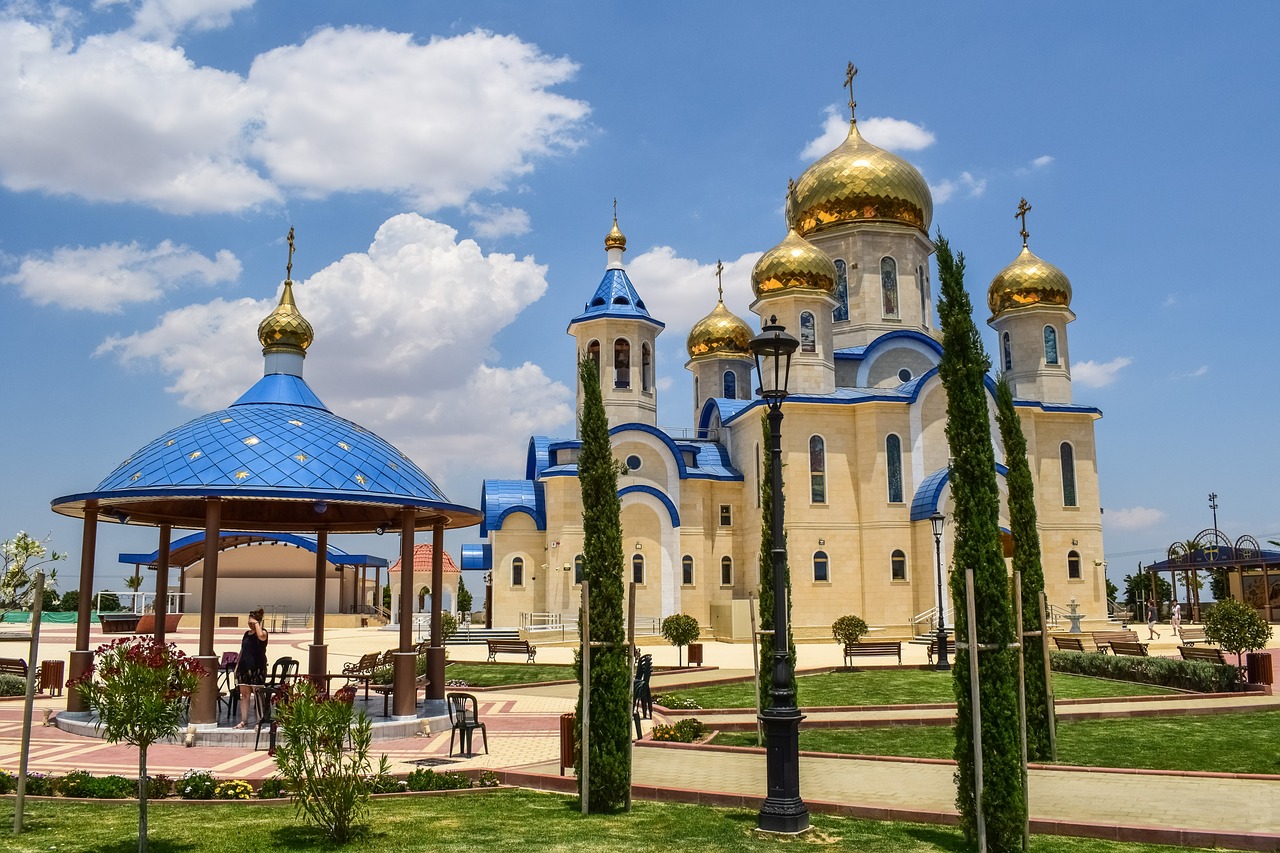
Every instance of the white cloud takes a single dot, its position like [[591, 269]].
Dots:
[[403, 335], [164, 19], [1041, 162], [966, 183], [495, 220], [1170, 301], [103, 278], [1133, 518], [120, 118], [1099, 374], [681, 291], [892, 133], [1194, 374]]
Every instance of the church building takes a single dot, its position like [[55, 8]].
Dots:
[[863, 440]]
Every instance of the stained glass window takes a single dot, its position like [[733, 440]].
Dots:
[[808, 338], [577, 569], [622, 363], [821, 567], [646, 367], [730, 385], [1050, 345], [517, 571], [1068, 475], [817, 470], [889, 286], [898, 566], [1008, 351], [893, 459], [637, 569], [841, 311]]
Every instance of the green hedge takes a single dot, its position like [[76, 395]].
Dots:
[[1164, 672]]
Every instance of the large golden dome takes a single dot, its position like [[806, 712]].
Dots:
[[859, 182], [285, 328], [1028, 281], [721, 333], [794, 264]]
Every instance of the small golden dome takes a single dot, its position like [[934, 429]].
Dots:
[[859, 182], [615, 239], [1028, 281], [285, 328], [793, 264], [721, 333]]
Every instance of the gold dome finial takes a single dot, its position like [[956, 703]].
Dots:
[[1023, 209], [285, 329], [719, 280], [615, 239], [849, 74]]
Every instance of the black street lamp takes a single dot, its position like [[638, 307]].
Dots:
[[783, 810], [938, 520]]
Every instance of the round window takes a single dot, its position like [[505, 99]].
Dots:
[[904, 375], [633, 463]]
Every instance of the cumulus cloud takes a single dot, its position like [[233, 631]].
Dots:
[[1041, 162], [103, 278], [121, 117], [403, 346], [1133, 518], [892, 133], [164, 19], [681, 291], [1099, 374], [967, 185], [495, 220]]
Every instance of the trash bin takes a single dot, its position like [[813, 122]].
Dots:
[[1258, 667], [695, 654], [52, 676], [568, 745]]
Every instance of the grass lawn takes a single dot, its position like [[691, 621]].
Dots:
[[899, 687], [1227, 743], [499, 674], [483, 823]]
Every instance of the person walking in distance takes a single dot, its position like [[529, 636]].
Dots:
[[1151, 620], [1175, 619], [251, 670]]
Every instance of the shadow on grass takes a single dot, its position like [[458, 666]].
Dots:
[[154, 845], [301, 836], [943, 838]]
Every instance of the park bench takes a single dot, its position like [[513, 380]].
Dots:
[[1189, 635], [13, 666], [880, 647], [119, 623], [1208, 655], [517, 647], [1102, 639], [362, 670], [933, 648], [386, 691], [1069, 644], [1133, 649]]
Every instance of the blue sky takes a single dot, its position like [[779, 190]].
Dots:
[[450, 170]]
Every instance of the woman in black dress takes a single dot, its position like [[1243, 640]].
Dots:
[[252, 668]]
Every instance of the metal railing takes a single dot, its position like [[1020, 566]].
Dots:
[[926, 622]]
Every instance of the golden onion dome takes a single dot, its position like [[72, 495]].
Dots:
[[721, 333], [860, 182], [615, 239], [1028, 281], [794, 264], [285, 328]]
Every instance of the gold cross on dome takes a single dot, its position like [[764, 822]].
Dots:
[[849, 74], [1023, 210], [720, 279], [288, 270]]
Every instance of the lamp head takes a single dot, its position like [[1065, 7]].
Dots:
[[938, 521], [772, 349]]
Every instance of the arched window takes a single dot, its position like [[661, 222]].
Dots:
[[686, 570], [817, 470], [893, 465], [889, 286], [622, 363], [1073, 566], [821, 567], [517, 571], [808, 336], [646, 367], [726, 571], [577, 569], [696, 398], [593, 352], [637, 569], [841, 311], [923, 286], [1008, 351], [1068, 474], [759, 484], [730, 385], [898, 566], [1050, 345]]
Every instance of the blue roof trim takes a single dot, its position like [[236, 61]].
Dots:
[[334, 555], [283, 388], [500, 498], [712, 462], [672, 512], [659, 434], [477, 557], [1071, 408], [925, 501], [539, 457], [615, 297], [727, 409], [860, 353]]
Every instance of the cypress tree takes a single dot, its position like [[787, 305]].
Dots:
[[766, 576], [1026, 559], [963, 368], [610, 726]]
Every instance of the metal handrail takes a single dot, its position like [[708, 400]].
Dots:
[[928, 621]]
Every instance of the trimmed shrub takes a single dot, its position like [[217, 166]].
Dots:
[[425, 779], [159, 786], [385, 783], [196, 785], [12, 685], [236, 789], [848, 629], [40, 785], [680, 629], [77, 783], [489, 779], [675, 700], [685, 731], [272, 789], [1199, 676], [1237, 627]]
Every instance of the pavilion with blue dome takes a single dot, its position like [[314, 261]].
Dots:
[[277, 460]]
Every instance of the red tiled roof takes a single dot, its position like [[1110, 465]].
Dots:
[[422, 560]]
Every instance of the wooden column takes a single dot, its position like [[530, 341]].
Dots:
[[204, 703], [405, 699], [162, 581], [82, 656], [435, 654], [318, 657]]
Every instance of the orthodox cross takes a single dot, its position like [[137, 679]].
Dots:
[[720, 279], [1023, 210], [288, 270], [849, 74], [615, 211]]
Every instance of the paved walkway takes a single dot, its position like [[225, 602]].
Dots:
[[1204, 809]]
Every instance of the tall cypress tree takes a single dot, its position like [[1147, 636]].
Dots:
[[610, 688], [766, 576], [1026, 559], [963, 368]]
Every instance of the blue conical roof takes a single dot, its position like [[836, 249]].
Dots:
[[615, 297]]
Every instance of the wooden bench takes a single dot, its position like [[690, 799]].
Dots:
[[386, 691], [362, 670], [1189, 635], [1102, 639], [13, 666], [1069, 644], [882, 647], [933, 648], [1124, 647], [515, 647], [119, 623], [1208, 655]]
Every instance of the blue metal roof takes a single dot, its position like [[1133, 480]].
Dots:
[[500, 498], [194, 544], [926, 497], [615, 297], [475, 557], [712, 461], [539, 456]]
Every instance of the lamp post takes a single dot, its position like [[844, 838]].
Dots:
[[938, 520], [783, 810]]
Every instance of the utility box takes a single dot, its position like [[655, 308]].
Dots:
[[1258, 667], [53, 675], [695, 654], [568, 744]]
